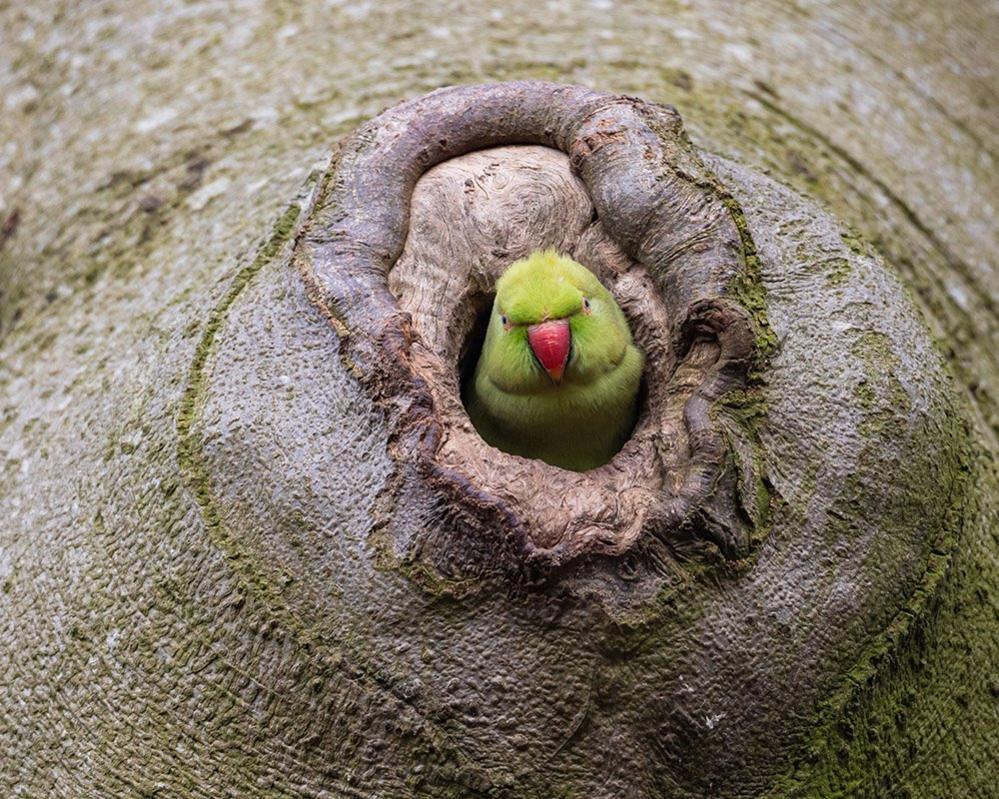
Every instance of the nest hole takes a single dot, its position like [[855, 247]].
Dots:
[[471, 348], [471, 217]]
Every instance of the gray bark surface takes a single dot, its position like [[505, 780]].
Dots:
[[203, 590]]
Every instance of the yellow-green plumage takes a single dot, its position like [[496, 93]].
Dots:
[[580, 421]]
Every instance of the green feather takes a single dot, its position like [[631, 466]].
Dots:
[[582, 421]]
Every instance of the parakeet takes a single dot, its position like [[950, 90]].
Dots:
[[558, 375]]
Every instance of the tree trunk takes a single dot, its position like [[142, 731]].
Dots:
[[223, 570]]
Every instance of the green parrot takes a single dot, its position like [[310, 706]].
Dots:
[[558, 375]]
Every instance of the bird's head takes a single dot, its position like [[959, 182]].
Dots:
[[553, 325]]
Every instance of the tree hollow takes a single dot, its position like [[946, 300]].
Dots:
[[403, 254]]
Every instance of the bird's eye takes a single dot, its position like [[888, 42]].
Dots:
[[586, 305], [505, 321]]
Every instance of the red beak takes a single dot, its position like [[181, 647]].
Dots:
[[550, 343]]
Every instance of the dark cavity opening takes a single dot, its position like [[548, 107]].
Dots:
[[472, 345]]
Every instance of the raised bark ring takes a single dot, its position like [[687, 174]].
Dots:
[[655, 199]]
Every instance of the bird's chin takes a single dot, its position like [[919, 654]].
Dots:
[[540, 381], [536, 383]]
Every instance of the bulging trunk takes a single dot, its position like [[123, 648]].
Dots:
[[252, 545]]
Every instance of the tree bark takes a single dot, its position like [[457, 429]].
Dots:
[[214, 576]]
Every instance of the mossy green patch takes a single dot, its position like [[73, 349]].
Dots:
[[837, 271], [881, 394], [749, 289]]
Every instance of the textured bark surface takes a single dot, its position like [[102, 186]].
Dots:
[[200, 588]]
